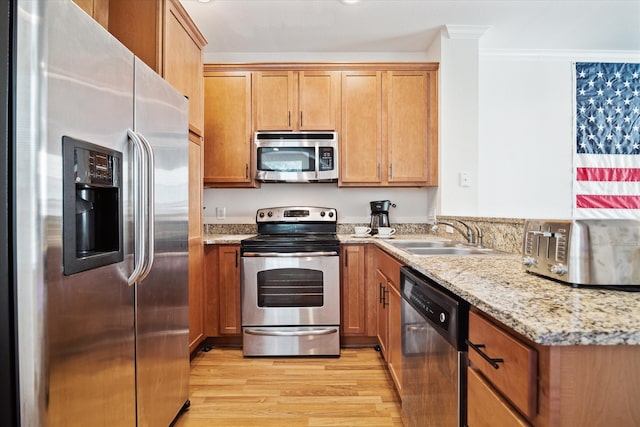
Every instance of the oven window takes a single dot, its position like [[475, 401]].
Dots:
[[290, 287], [286, 159]]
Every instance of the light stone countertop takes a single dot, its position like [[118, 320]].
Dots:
[[545, 311]]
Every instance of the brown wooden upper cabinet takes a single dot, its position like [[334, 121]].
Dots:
[[161, 33], [227, 151], [296, 100], [97, 9], [389, 128]]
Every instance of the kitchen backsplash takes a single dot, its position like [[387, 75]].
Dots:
[[503, 234]]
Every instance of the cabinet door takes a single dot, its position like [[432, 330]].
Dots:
[[97, 9], [407, 127], [196, 249], [182, 57], [361, 133], [211, 293], [137, 25], [383, 310], [353, 320], [275, 100], [394, 344], [318, 99], [227, 149], [229, 288]]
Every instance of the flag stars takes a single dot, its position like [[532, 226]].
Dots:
[[600, 92], [591, 136], [582, 74], [627, 83], [635, 75], [609, 137], [617, 74], [591, 83], [609, 101], [609, 83], [592, 119], [600, 74]]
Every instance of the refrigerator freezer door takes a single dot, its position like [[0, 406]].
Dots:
[[76, 332], [162, 312]]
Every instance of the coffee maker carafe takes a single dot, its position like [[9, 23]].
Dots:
[[380, 214]]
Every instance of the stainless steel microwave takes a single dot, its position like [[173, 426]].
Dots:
[[296, 156]]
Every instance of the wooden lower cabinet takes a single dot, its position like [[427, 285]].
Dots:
[[353, 287], [549, 386], [383, 313], [487, 407], [222, 291], [389, 314]]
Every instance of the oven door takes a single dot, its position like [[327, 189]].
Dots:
[[290, 289]]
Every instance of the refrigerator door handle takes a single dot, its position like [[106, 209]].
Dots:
[[139, 211], [150, 207]]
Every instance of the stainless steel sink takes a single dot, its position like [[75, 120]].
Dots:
[[439, 247], [410, 244], [449, 251]]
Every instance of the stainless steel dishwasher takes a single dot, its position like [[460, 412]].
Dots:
[[435, 324]]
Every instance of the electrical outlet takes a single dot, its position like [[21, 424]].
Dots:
[[465, 181], [221, 213], [448, 229]]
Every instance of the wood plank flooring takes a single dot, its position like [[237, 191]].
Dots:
[[352, 390]]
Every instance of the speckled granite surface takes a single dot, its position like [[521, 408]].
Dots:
[[546, 312]]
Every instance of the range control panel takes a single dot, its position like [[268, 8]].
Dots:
[[297, 214]]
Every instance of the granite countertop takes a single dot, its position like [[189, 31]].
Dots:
[[547, 312]]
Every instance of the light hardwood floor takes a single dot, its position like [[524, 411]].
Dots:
[[352, 390]]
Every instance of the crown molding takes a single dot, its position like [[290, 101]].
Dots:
[[468, 32]]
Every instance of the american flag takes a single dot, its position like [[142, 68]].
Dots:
[[607, 154]]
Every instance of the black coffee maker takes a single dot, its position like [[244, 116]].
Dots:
[[380, 214]]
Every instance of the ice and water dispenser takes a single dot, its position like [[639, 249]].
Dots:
[[92, 206]]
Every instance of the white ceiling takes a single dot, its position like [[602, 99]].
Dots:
[[320, 26]]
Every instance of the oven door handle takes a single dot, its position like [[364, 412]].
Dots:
[[289, 254], [291, 333]]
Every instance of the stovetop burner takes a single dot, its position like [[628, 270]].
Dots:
[[294, 229]]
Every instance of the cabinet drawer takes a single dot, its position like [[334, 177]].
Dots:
[[389, 267], [515, 373], [486, 408]]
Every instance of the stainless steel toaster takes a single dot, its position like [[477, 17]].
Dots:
[[602, 252]]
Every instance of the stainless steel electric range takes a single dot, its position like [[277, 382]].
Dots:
[[290, 283]]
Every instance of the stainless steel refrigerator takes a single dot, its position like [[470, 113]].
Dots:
[[101, 198]]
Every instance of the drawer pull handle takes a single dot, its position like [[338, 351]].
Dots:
[[493, 362]]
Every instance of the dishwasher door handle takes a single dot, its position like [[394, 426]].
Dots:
[[492, 361]]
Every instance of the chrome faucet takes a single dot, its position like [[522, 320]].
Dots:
[[467, 232]]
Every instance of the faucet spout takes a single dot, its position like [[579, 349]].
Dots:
[[467, 232]]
